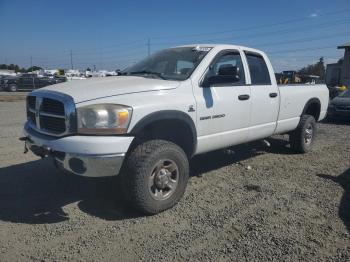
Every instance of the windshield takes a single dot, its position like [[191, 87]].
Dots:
[[345, 93], [169, 64]]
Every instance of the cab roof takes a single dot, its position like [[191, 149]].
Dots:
[[223, 46]]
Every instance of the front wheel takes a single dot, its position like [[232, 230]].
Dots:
[[302, 138], [155, 176]]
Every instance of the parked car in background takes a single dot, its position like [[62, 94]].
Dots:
[[339, 107], [59, 79], [4, 80], [2, 83], [30, 82]]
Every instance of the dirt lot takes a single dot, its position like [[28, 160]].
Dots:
[[255, 203], [12, 96]]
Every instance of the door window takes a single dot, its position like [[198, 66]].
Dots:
[[259, 73], [228, 61]]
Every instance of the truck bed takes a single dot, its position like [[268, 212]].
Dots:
[[293, 99]]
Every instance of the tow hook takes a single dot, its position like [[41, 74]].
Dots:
[[41, 151], [25, 139]]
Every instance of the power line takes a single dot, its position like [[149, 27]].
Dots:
[[118, 57], [109, 50], [97, 58], [296, 56], [296, 59], [268, 34], [300, 50], [220, 32], [118, 60], [304, 39], [256, 27], [128, 44], [126, 54], [99, 52], [248, 36], [251, 36]]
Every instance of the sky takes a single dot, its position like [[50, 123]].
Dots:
[[114, 34]]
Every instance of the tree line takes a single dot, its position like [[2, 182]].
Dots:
[[317, 69], [18, 69]]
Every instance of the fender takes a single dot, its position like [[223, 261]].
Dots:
[[311, 101], [166, 115]]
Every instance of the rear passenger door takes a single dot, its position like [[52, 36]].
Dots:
[[264, 95]]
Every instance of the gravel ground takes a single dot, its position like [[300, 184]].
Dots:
[[12, 96], [252, 203]]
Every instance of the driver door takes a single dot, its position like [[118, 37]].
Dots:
[[223, 103]]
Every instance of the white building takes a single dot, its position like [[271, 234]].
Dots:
[[73, 73], [338, 74], [51, 72], [104, 73], [5, 72], [345, 72]]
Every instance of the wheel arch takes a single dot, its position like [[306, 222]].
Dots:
[[312, 107], [161, 124]]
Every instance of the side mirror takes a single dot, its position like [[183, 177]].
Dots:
[[227, 74]]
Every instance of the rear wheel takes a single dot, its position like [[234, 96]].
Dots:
[[155, 176], [302, 138]]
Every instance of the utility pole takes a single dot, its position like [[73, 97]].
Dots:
[[101, 59], [71, 59], [149, 46], [31, 63]]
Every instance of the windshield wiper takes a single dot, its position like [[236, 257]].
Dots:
[[145, 72]]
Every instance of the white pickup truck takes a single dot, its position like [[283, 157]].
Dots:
[[146, 124]]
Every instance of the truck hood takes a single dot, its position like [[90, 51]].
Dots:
[[94, 88]]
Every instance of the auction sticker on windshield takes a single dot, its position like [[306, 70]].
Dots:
[[201, 49]]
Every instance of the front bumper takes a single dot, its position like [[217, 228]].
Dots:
[[91, 156], [90, 165]]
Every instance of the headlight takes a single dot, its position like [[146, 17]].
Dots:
[[330, 106], [107, 119]]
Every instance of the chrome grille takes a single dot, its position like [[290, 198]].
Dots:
[[31, 102], [31, 117], [51, 113], [53, 124], [52, 106]]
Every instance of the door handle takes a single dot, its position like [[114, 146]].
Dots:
[[272, 95], [243, 97]]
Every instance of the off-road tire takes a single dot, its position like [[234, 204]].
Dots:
[[297, 137], [138, 169]]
